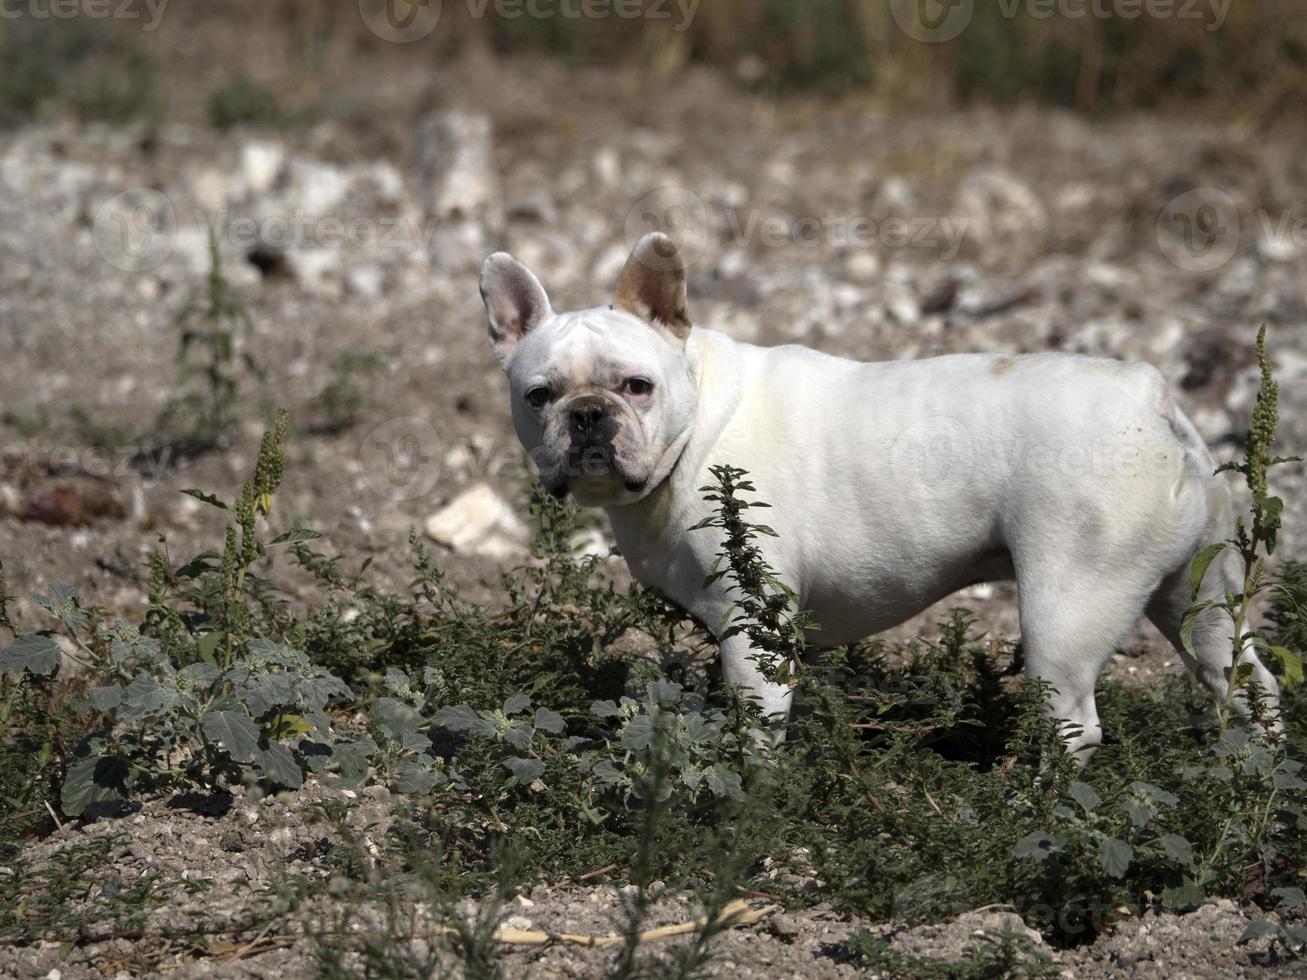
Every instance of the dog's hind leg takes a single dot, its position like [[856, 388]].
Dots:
[[1213, 637], [1072, 621]]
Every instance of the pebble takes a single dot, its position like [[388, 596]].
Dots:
[[478, 522], [784, 926]]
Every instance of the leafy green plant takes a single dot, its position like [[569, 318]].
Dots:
[[765, 607], [196, 695], [1288, 610], [1253, 543], [575, 731], [1289, 939], [211, 327], [242, 101], [1005, 955], [337, 405]]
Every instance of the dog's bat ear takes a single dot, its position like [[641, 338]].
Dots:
[[515, 301], [652, 285]]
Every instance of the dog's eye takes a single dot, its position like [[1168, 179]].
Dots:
[[638, 386], [538, 397]]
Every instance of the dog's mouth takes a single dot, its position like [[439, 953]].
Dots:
[[592, 466]]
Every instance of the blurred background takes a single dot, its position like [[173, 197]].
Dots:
[[210, 209], [250, 61]]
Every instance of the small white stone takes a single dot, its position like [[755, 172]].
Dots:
[[316, 270], [365, 281], [862, 265], [262, 163], [608, 166], [318, 187], [457, 159], [479, 522], [902, 304]]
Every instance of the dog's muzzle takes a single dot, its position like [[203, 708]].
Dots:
[[592, 426], [591, 422]]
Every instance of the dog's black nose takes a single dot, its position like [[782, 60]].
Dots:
[[586, 414]]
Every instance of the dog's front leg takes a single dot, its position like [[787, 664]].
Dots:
[[740, 667]]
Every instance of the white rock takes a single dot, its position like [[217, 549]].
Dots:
[[733, 263], [902, 303], [1001, 210], [862, 265], [386, 179], [262, 163], [896, 195], [317, 188], [608, 166], [456, 160], [11, 501], [365, 281], [214, 190], [478, 522], [849, 298], [316, 270], [190, 252]]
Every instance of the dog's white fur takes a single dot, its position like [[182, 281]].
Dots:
[[891, 484]]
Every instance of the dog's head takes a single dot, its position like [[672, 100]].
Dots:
[[602, 399]]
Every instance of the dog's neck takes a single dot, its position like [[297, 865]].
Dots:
[[714, 369]]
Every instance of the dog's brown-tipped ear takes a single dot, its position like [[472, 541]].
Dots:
[[652, 285], [515, 301]]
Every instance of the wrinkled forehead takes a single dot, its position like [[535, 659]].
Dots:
[[590, 346]]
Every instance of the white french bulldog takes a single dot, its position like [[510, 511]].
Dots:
[[891, 484]]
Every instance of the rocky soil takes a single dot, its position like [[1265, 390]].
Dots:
[[210, 858], [852, 229]]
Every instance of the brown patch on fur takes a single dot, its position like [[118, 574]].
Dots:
[[1002, 366]]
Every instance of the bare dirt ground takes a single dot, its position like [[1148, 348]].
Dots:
[[848, 228], [232, 850]]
